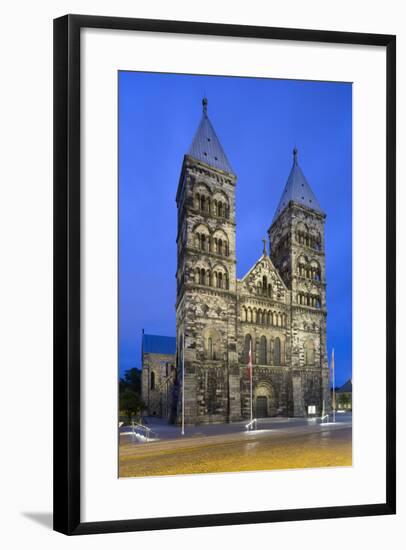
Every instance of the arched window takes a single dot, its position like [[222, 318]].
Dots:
[[212, 345], [317, 242], [277, 351], [152, 380], [210, 348], [264, 285], [262, 351], [249, 315], [244, 314], [247, 347], [220, 243], [309, 352], [220, 280]]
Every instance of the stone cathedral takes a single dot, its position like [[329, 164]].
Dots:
[[278, 309]]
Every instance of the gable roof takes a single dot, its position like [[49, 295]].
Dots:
[[297, 190], [206, 146], [263, 258], [152, 343], [346, 388]]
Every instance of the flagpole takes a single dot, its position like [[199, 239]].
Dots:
[[250, 366], [183, 384], [334, 385]]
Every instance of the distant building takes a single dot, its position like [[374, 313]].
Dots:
[[344, 396], [158, 374]]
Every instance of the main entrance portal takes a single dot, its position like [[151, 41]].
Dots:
[[263, 400], [262, 407]]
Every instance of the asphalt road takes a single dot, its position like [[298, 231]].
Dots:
[[299, 445]]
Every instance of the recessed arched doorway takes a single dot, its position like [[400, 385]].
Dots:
[[264, 400]]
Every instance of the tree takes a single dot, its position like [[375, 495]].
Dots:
[[131, 403], [131, 381], [344, 400]]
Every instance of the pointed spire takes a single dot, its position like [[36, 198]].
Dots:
[[206, 146], [297, 190]]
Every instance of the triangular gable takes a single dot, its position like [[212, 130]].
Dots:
[[264, 260]]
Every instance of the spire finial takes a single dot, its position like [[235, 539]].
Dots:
[[204, 103], [295, 152], [264, 241]]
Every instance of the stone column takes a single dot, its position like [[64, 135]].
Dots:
[[297, 394], [190, 395], [325, 390], [234, 393]]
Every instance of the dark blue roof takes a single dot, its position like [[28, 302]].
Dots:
[[347, 387], [166, 345], [297, 190], [206, 146]]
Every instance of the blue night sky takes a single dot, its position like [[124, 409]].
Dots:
[[258, 122]]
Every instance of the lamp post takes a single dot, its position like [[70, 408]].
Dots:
[[183, 384], [334, 385]]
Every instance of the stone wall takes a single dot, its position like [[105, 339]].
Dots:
[[157, 383]]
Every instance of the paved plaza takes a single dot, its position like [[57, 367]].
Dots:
[[278, 443]]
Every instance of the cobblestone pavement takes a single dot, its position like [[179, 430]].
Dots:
[[275, 445]]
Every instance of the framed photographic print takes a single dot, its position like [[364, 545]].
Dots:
[[224, 274]]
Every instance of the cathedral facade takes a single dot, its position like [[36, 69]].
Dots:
[[277, 310]]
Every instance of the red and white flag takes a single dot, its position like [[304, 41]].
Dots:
[[250, 375]]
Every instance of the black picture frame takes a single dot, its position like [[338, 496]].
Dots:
[[67, 285]]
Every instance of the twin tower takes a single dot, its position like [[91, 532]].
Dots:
[[278, 309]]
